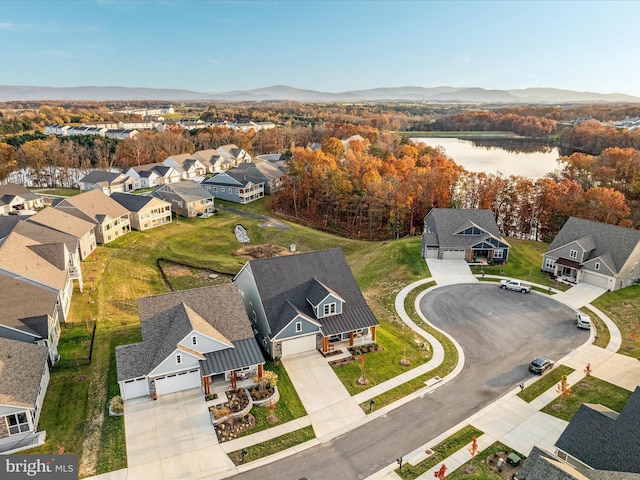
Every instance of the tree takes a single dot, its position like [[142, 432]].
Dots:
[[473, 448], [440, 474], [268, 378], [8, 160], [587, 370], [563, 387]]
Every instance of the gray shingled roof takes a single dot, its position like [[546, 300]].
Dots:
[[25, 307], [21, 368], [166, 319], [13, 189], [46, 235], [7, 224], [288, 278], [189, 191], [449, 221], [98, 176], [133, 202], [619, 242], [616, 446]]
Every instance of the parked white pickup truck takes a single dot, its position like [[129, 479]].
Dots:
[[515, 285]]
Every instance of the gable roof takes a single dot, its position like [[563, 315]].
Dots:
[[22, 366], [542, 465], [102, 176], [288, 278], [25, 307], [46, 235], [616, 447], [166, 319], [7, 224], [135, 203], [93, 204], [189, 191], [603, 238], [61, 221], [449, 221], [13, 189]]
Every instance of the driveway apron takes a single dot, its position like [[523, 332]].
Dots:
[[450, 272], [172, 438], [580, 295], [327, 401]]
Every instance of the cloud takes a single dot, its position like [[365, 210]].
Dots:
[[13, 26], [211, 60]]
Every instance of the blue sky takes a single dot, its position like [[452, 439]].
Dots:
[[334, 46]]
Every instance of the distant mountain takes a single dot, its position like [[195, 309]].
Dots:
[[442, 94]]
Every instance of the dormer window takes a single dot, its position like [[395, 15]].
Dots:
[[178, 359], [573, 253], [329, 309], [194, 340]]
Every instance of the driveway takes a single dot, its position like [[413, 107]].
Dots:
[[327, 401], [172, 438], [450, 272], [580, 295]]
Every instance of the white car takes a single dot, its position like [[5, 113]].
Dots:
[[583, 321]]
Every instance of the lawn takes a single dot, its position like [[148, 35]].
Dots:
[[441, 451], [623, 307], [546, 382], [479, 464], [272, 446], [588, 390], [603, 336]]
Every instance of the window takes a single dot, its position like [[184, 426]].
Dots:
[[222, 189], [597, 266], [194, 340], [497, 253], [18, 423], [573, 253], [329, 309], [178, 359], [549, 262], [298, 327]]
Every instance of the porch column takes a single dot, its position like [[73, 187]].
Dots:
[[207, 385], [260, 371], [351, 339], [373, 334], [325, 344], [233, 379]]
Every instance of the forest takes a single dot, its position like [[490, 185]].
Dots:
[[379, 187]]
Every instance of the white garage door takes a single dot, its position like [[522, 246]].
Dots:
[[298, 345], [432, 253], [453, 255], [178, 382], [596, 280], [136, 388]]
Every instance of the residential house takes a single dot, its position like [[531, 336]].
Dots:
[[235, 153], [187, 198], [44, 265], [145, 211], [57, 219], [599, 254], [29, 314], [463, 234], [214, 161], [239, 186], [190, 339], [107, 182], [121, 133], [136, 125], [187, 165], [598, 438], [303, 302], [271, 173], [111, 219], [56, 129], [24, 377], [151, 175], [15, 198]]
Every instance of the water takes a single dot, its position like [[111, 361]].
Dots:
[[509, 157]]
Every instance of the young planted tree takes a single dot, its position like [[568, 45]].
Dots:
[[588, 370], [473, 448], [563, 387], [440, 474]]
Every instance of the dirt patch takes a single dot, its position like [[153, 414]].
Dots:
[[176, 270], [253, 252], [507, 470], [557, 406], [586, 386]]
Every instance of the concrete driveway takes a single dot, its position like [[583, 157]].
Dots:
[[450, 272], [327, 401], [172, 438], [579, 295]]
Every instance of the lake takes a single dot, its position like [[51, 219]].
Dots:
[[510, 157]]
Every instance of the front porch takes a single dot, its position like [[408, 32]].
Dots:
[[217, 384], [345, 340]]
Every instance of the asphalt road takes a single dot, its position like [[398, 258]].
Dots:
[[499, 331]]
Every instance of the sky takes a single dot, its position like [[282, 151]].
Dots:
[[330, 46]]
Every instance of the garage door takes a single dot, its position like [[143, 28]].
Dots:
[[178, 382], [453, 255], [596, 280], [136, 388], [298, 345], [432, 253]]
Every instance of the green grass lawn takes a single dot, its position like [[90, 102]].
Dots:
[[588, 390], [59, 192], [603, 336], [482, 470], [547, 381], [275, 445], [623, 307], [441, 451]]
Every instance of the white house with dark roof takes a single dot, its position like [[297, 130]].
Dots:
[[603, 255], [305, 302], [15, 198], [463, 234], [188, 165], [188, 199], [151, 175], [145, 211], [107, 182], [24, 377], [190, 339]]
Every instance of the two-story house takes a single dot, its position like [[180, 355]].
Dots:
[[60, 221], [111, 219], [16, 198], [145, 211], [600, 254], [107, 182], [151, 175], [187, 165], [188, 199], [239, 186]]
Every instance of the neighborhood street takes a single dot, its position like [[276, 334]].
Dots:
[[499, 331]]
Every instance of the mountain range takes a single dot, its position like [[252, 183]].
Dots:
[[286, 93]]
